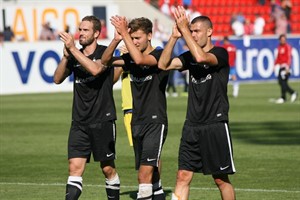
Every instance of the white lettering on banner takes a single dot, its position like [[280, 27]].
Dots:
[[28, 67], [265, 71], [244, 70], [263, 61], [296, 62], [250, 55]]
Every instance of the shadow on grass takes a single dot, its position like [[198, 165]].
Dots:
[[133, 194], [267, 133]]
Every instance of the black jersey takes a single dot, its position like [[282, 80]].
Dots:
[[93, 95], [207, 99], [148, 84]]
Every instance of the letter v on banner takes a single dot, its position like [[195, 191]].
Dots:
[[23, 72]]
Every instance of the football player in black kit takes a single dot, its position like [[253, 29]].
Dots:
[[93, 118], [206, 142], [148, 84]]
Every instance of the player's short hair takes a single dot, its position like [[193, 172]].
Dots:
[[141, 23], [204, 19], [96, 22]]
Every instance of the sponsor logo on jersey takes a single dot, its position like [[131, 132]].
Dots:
[[140, 79], [201, 80], [85, 80]]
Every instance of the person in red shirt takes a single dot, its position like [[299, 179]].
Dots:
[[283, 62], [231, 49]]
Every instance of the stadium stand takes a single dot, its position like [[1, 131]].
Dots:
[[221, 11]]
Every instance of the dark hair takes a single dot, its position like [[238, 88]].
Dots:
[[204, 19], [96, 22], [226, 38], [282, 35], [141, 23]]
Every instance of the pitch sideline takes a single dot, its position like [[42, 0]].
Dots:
[[135, 187]]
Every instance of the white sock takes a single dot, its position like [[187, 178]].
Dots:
[[114, 180], [145, 191], [113, 183], [75, 181], [174, 197]]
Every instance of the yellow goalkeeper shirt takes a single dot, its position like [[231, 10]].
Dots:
[[126, 92]]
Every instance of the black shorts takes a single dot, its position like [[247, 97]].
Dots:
[[206, 149], [148, 140], [99, 138]]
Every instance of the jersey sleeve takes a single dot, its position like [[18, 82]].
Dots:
[[222, 56], [157, 53], [126, 57], [184, 58]]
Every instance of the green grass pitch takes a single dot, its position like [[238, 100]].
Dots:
[[266, 141]]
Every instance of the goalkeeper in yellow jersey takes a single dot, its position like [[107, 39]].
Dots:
[[126, 96]]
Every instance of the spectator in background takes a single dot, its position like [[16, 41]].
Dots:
[[240, 17], [165, 8], [262, 2], [157, 29], [274, 4], [47, 33], [237, 27], [248, 27], [192, 11], [281, 25], [103, 34], [187, 2], [77, 33], [283, 62], [279, 18], [259, 24], [1, 38], [8, 34], [286, 6]]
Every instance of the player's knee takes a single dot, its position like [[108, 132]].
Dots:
[[184, 177], [221, 180], [76, 169], [108, 169], [145, 174]]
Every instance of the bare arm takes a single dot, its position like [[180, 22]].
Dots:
[[107, 57], [117, 73], [94, 67], [62, 72], [165, 62]]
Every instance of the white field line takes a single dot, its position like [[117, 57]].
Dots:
[[169, 188]]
